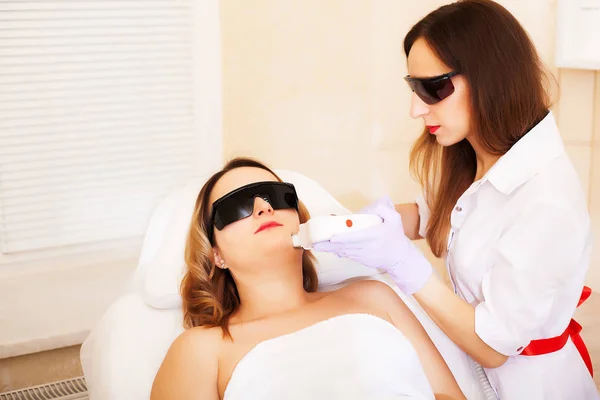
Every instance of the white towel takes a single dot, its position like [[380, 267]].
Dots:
[[353, 356]]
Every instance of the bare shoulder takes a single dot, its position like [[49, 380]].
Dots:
[[193, 354], [372, 296], [381, 299], [371, 292], [198, 339]]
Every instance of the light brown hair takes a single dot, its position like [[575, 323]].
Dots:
[[209, 293], [507, 81]]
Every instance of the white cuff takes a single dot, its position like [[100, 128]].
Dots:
[[495, 334]]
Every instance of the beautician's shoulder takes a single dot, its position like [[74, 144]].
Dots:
[[190, 367]]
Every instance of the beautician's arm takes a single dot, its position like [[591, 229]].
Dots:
[[538, 253], [444, 307], [456, 318], [410, 219], [190, 368]]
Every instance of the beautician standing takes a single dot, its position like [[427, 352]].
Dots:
[[503, 205]]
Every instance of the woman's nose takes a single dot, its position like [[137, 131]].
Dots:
[[418, 108], [261, 206]]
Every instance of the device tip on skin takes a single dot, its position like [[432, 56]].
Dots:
[[295, 240]]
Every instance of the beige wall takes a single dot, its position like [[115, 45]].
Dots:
[[316, 86]]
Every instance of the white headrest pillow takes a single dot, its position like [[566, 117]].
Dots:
[[162, 264]]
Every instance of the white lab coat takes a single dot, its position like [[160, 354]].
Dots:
[[518, 251]]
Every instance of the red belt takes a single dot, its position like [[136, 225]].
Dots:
[[545, 346]]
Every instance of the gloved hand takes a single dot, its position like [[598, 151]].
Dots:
[[384, 246]]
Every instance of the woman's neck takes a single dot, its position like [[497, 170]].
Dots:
[[276, 290], [485, 160], [484, 163]]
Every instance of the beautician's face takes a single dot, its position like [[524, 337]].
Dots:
[[244, 242], [452, 114]]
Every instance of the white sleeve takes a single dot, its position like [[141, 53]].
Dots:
[[538, 254], [424, 213]]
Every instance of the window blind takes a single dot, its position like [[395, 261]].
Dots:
[[98, 121]]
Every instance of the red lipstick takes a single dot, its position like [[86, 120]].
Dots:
[[267, 225], [433, 128]]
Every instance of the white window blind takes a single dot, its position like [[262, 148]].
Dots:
[[100, 118]]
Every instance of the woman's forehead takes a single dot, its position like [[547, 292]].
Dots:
[[237, 178], [423, 62]]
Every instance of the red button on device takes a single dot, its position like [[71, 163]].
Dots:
[[349, 223]]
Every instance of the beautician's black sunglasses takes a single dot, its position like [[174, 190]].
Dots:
[[432, 90]]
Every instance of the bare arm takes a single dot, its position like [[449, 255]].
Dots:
[[410, 219], [438, 374], [189, 370], [445, 308]]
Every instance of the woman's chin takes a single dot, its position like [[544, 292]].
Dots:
[[444, 141], [275, 241], [447, 139]]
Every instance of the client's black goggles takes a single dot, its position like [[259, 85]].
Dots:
[[239, 204], [432, 90]]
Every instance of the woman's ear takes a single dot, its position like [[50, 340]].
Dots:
[[219, 262]]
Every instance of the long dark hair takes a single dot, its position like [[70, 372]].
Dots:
[[508, 84]]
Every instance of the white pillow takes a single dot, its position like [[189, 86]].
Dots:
[[162, 264], [123, 352]]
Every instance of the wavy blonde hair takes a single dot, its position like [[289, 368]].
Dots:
[[209, 293]]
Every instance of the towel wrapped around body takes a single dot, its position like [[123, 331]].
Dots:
[[352, 356]]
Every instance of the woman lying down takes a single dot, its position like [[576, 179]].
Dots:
[[259, 330]]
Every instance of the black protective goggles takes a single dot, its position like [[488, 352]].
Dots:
[[239, 204], [432, 90]]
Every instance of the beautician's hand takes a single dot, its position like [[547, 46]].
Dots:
[[384, 246]]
